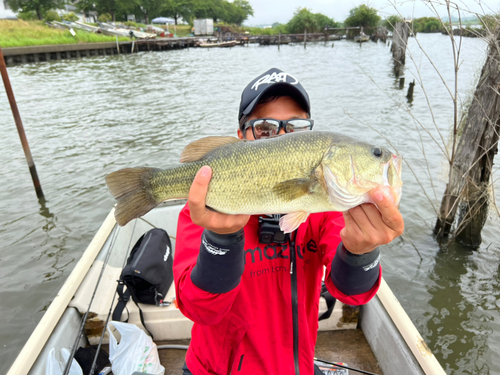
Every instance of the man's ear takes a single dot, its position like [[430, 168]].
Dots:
[[240, 134]]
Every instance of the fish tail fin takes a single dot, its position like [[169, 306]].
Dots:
[[130, 187]]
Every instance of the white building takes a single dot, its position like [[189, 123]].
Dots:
[[6, 12]]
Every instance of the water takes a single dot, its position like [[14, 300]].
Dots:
[[86, 118]]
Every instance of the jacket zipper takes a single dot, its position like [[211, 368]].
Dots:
[[141, 252], [295, 306]]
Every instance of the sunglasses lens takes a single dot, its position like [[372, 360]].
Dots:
[[265, 128], [298, 125]]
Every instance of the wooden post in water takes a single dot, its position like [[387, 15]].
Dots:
[[279, 40], [398, 49], [402, 82], [20, 128], [117, 45], [409, 95], [471, 165], [305, 37]]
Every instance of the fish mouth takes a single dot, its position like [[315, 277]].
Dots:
[[397, 161], [392, 176]]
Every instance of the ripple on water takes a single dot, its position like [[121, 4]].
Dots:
[[86, 118]]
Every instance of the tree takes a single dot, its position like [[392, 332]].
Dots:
[[323, 21], [238, 11], [38, 6], [363, 16], [113, 7], [149, 8], [391, 21], [432, 26], [179, 9], [304, 19], [214, 9], [427, 24]]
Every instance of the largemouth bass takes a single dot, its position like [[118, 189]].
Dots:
[[294, 174]]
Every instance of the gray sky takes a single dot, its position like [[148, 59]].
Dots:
[[270, 11]]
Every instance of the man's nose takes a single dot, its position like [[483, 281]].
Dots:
[[282, 131]]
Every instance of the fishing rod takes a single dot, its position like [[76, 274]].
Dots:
[[84, 319], [343, 366], [94, 363]]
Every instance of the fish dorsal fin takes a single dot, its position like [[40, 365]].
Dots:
[[292, 189], [199, 148]]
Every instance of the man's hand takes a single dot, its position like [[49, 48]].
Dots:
[[367, 227], [208, 219]]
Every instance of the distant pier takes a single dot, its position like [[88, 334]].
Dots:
[[55, 52]]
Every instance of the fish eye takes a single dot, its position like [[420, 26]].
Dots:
[[377, 151]]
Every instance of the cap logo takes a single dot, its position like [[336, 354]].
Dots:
[[275, 78]]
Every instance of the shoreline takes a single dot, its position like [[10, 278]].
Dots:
[[28, 54]]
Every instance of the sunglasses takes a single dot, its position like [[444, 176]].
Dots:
[[267, 127]]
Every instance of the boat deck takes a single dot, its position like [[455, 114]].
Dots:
[[347, 346]]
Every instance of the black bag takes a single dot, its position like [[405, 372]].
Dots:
[[85, 358], [148, 273]]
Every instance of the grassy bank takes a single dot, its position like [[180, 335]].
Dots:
[[35, 33], [180, 30]]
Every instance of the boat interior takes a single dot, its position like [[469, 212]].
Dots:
[[377, 337]]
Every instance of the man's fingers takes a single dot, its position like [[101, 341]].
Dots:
[[391, 216], [351, 227], [198, 191], [206, 218], [363, 221]]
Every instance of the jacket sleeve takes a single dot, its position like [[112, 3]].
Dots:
[[200, 301], [342, 268]]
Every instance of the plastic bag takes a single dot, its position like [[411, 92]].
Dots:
[[132, 351], [55, 367]]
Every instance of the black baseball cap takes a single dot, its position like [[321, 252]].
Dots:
[[281, 83]]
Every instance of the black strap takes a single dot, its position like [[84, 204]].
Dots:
[[123, 298], [330, 302], [134, 298]]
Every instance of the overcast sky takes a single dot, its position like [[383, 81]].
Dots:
[[270, 11]]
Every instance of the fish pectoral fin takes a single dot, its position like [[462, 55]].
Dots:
[[292, 189], [199, 148], [291, 221]]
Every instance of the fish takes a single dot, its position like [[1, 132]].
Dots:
[[295, 174]]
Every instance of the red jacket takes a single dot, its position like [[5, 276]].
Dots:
[[248, 330]]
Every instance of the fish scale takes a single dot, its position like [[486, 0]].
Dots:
[[302, 172]]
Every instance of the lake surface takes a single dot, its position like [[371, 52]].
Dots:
[[86, 118]]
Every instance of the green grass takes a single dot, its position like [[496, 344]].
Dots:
[[180, 30], [35, 33]]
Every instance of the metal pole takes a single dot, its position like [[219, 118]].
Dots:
[[20, 128]]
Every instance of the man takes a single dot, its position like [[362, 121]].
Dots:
[[254, 299]]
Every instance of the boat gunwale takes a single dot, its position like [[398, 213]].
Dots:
[[36, 342], [38, 339], [410, 334]]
